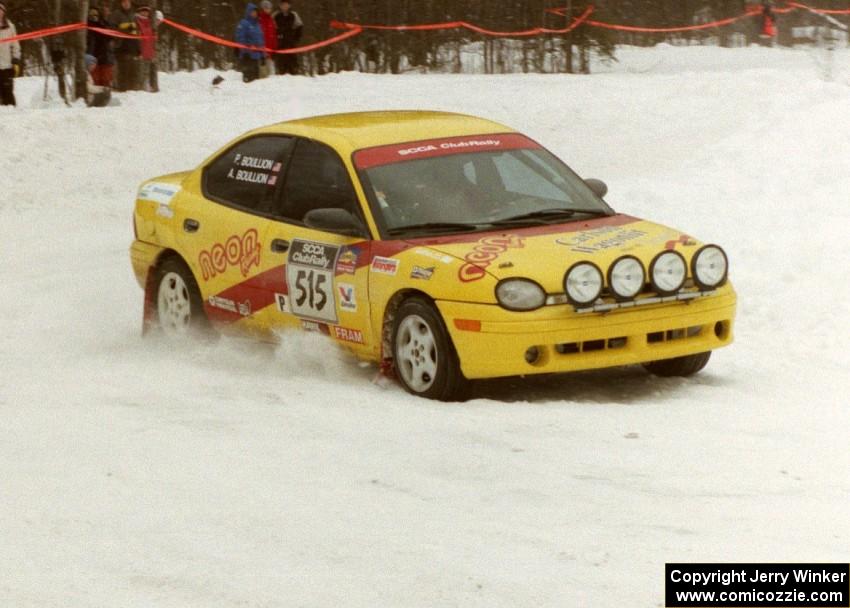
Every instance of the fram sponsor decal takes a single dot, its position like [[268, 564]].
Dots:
[[347, 335], [485, 253], [347, 297], [384, 265], [241, 251]]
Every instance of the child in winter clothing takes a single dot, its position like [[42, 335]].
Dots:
[[96, 96], [10, 59], [250, 33]]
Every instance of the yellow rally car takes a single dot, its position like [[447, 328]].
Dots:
[[443, 247]]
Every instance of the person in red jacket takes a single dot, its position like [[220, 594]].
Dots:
[[148, 76], [768, 24], [269, 28]]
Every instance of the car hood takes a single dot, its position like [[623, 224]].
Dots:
[[545, 253]]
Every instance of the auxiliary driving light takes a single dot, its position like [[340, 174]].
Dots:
[[626, 277], [583, 283], [710, 267], [668, 272]]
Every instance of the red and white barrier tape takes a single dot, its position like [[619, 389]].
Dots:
[[450, 25], [353, 29]]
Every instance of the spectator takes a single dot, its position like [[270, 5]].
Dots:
[[126, 50], [289, 29], [249, 33], [96, 96], [149, 79], [99, 46], [10, 59], [768, 23], [267, 24]]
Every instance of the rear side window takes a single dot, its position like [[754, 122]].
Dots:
[[316, 179], [249, 174]]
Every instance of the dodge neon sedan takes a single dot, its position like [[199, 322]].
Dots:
[[445, 248]]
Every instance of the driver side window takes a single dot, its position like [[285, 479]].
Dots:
[[316, 179]]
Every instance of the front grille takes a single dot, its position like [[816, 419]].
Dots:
[[657, 337], [589, 346]]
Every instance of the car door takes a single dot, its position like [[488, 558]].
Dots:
[[222, 232], [326, 274]]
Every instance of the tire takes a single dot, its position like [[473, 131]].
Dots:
[[424, 357], [178, 308], [679, 366]]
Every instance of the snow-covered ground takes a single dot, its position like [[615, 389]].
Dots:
[[238, 475]]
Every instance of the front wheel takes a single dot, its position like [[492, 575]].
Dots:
[[679, 366], [179, 308], [423, 355]]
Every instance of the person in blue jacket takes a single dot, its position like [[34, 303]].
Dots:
[[250, 33]]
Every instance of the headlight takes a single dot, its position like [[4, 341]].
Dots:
[[626, 277], [668, 272], [520, 294], [710, 267], [583, 283]]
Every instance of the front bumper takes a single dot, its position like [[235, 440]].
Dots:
[[567, 341], [143, 257]]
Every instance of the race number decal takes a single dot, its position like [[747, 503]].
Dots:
[[310, 278]]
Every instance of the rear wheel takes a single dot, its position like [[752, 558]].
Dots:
[[424, 358], [179, 308], [679, 366]]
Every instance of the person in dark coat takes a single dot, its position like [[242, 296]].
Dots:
[[126, 50], [99, 46], [289, 30], [249, 33], [10, 59]]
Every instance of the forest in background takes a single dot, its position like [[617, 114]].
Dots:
[[456, 50]]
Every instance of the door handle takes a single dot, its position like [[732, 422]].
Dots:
[[280, 246], [190, 225]]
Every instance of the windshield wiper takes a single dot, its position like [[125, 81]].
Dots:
[[548, 214], [435, 227]]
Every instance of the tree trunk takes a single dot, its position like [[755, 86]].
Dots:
[[80, 58]]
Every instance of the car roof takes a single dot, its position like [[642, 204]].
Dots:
[[356, 130]]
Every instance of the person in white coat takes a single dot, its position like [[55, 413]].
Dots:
[[10, 59]]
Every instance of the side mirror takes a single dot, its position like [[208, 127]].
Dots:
[[335, 220], [598, 187]]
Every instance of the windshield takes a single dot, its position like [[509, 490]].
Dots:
[[471, 183]]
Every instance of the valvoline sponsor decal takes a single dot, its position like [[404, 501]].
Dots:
[[485, 253], [386, 155]]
